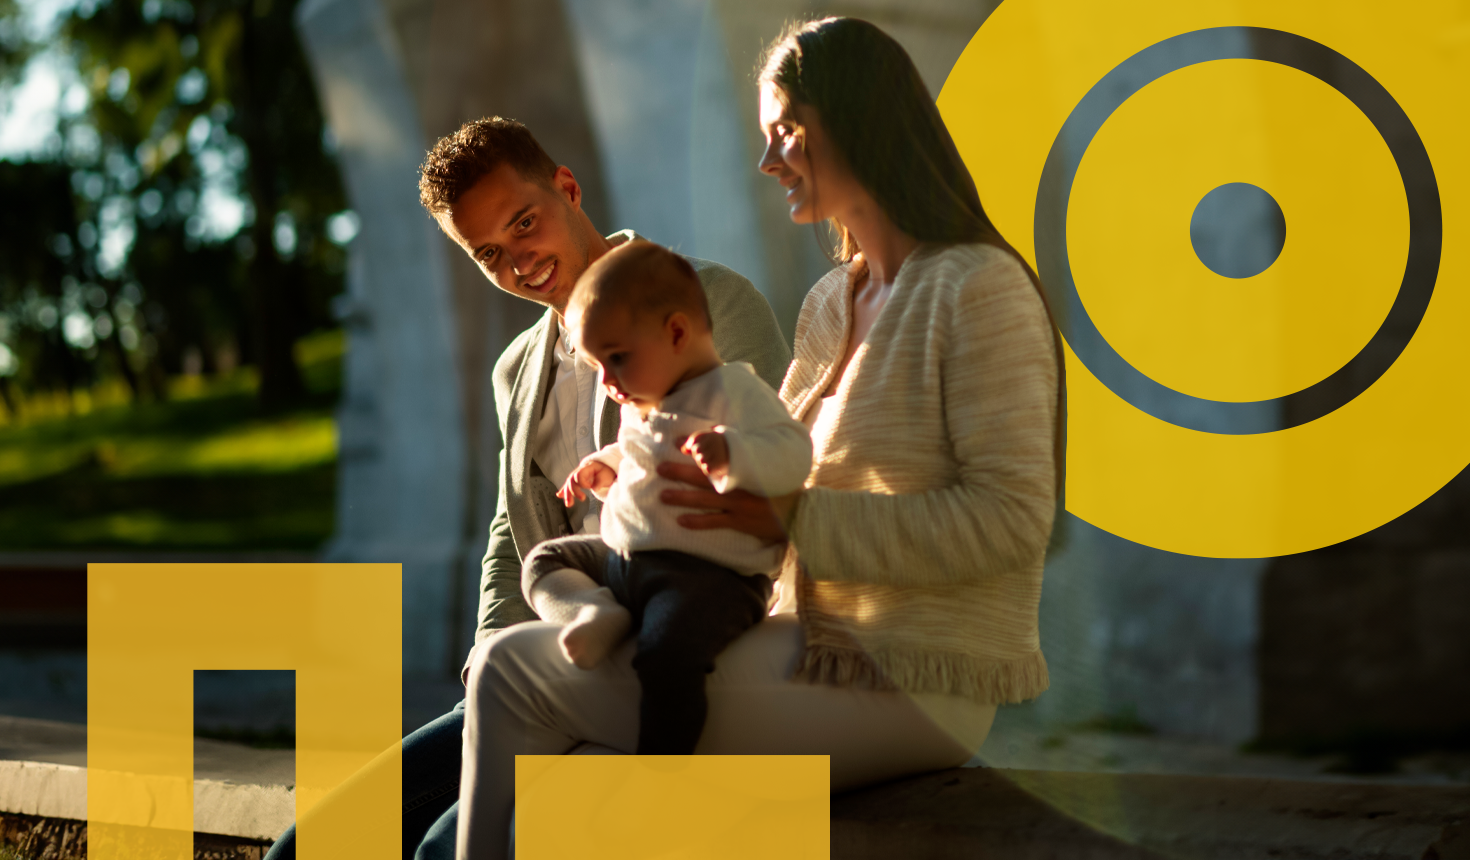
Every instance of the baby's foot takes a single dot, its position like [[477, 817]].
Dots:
[[592, 635]]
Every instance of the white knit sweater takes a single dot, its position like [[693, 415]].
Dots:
[[921, 535], [770, 455]]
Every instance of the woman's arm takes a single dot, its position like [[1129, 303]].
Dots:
[[999, 390], [999, 378]]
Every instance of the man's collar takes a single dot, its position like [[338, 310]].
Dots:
[[615, 239]]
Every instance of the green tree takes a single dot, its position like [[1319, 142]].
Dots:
[[202, 191]]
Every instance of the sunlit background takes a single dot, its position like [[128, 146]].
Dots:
[[174, 231], [228, 332]]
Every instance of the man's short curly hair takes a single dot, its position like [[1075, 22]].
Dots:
[[461, 159]]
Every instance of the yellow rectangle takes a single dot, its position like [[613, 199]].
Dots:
[[699, 807], [149, 626]]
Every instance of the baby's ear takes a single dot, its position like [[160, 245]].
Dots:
[[677, 328]]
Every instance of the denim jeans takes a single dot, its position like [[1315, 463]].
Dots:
[[431, 758]]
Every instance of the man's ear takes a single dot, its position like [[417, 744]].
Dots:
[[565, 184]]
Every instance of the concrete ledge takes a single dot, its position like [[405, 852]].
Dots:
[[249, 811], [46, 790], [238, 791], [226, 808], [245, 797], [1040, 815]]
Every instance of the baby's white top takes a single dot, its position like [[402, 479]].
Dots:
[[770, 455]]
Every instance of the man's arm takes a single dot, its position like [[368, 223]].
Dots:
[[745, 326], [501, 603]]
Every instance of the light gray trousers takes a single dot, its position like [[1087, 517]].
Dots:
[[524, 698]]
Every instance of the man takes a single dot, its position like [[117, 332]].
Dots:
[[518, 215]]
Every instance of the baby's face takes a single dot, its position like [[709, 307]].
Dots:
[[637, 357]]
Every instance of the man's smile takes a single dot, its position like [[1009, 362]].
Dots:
[[542, 283]]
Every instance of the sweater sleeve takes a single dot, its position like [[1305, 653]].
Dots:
[[998, 378], [770, 452]]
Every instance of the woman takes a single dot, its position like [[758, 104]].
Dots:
[[927, 367]]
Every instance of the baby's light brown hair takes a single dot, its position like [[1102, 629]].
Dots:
[[645, 278]]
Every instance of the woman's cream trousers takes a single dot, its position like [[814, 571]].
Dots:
[[525, 698]]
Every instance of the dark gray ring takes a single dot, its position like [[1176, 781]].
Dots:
[[1426, 228]]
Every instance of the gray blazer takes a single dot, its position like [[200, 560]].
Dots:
[[528, 511]]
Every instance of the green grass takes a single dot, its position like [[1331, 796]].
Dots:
[[204, 470]]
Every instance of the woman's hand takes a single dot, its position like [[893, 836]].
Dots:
[[739, 510]]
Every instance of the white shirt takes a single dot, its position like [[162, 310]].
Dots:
[[770, 455], [565, 434]]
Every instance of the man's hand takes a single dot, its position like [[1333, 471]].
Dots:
[[591, 474], [710, 450]]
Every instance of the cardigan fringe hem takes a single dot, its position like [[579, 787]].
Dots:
[[988, 681]]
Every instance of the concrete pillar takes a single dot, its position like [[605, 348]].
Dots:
[[401, 490], [463, 60]]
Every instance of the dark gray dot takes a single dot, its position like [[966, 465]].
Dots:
[[1238, 230]]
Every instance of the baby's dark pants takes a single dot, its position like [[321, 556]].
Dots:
[[685, 609]]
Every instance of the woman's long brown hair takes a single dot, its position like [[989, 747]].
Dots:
[[878, 113]]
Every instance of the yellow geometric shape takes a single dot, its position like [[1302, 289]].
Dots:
[[1306, 145], [702, 807], [149, 626], [1267, 494]]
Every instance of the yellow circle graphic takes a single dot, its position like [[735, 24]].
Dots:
[[1190, 132], [1110, 209]]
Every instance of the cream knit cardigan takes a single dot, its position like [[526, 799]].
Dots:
[[918, 544]]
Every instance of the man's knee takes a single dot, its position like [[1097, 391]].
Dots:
[[509, 656]]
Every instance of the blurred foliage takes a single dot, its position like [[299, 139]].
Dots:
[[14, 50], [179, 219], [203, 470]]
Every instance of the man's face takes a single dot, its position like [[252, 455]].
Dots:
[[526, 236]]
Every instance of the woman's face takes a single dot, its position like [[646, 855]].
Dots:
[[801, 156]]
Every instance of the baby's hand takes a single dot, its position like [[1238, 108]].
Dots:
[[710, 450], [592, 474]]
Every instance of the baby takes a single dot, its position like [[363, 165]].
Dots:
[[640, 316]]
